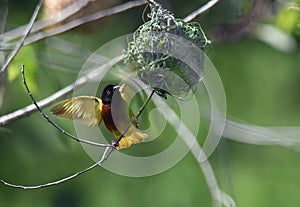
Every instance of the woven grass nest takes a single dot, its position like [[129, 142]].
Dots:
[[167, 53]]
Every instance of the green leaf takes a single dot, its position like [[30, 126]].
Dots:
[[288, 18], [26, 56]]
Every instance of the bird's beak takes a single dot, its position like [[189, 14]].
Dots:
[[115, 87]]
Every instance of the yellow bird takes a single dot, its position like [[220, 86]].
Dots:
[[112, 108]]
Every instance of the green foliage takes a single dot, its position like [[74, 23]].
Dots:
[[26, 56], [288, 18], [261, 85]]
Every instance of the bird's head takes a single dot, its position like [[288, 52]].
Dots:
[[108, 93]]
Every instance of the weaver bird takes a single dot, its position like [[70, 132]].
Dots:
[[112, 108]]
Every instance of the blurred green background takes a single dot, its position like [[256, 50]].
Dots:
[[261, 78]]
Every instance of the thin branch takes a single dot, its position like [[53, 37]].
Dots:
[[78, 22], [28, 110], [3, 16], [150, 1], [44, 23], [108, 150], [21, 42], [116, 142], [284, 136], [84, 20], [201, 10], [53, 123], [105, 155], [220, 197], [47, 101], [191, 141]]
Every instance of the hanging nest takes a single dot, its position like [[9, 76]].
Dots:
[[167, 53]]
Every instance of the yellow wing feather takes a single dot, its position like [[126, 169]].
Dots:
[[85, 109], [126, 93], [132, 136]]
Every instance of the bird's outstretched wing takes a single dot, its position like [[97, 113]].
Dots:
[[133, 135], [85, 109], [127, 95]]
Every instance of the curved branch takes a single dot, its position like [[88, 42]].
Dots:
[[78, 22], [52, 122], [201, 10], [220, 198], [105, 155], [42, 24], [26, 111]]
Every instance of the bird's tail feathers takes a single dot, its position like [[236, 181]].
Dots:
[[133, 136]]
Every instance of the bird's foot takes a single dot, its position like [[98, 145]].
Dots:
[[115, 143]]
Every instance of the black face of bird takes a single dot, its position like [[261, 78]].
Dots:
[[108, 93]]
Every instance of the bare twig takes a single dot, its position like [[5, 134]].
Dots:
[[150, 1], [3, 17], [78, 22], [105, 155], [189, 138], [21, 42], [44, 23], [201, 10], [284, 136], [53, 123], [108, 150], [84, 20], [26, 111], [219, 197], [116, 142], [47, 101]]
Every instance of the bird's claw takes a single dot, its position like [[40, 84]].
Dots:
[[115, 144]]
